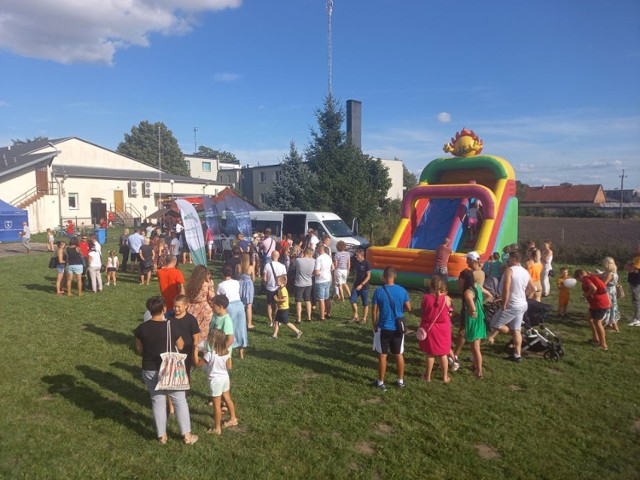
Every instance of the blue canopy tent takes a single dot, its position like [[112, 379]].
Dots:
[[11, 219]]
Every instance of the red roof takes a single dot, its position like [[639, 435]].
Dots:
[[565, 194]]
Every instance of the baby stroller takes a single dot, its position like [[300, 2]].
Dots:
[[536, 337]]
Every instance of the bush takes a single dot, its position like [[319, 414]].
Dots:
[[589, 254]]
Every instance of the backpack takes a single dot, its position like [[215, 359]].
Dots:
[[53, 262]]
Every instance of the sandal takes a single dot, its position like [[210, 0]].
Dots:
[[163, 439], [190, 440], [212, 431], [229, 423]]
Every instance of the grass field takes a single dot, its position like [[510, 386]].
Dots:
[[73, 405]]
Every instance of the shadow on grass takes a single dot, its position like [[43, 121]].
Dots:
[[134, 371], [314, 365], [93, 401], [49, 288], [135, 392], [111, 335]]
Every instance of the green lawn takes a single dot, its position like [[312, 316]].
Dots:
[[73, 405]]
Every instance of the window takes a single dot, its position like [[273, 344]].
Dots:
[[262, 197], [277, 175], [188, 164], [263, 177], [206, 166], [73, 201]]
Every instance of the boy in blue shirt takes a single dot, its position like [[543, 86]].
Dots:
[[389, 303]]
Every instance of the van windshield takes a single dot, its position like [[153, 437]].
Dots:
[[337, 228]]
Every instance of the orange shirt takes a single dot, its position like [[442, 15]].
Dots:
[[170, 280], [535, 270]]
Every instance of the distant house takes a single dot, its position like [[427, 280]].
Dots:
[[562, 196], [72, 179]]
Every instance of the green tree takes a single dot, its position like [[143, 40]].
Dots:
[[223, 156], [17, 141], [291, 191], [346, 181], [409, 180], [142, 144]]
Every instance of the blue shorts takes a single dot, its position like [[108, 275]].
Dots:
[[363, 293], [321, 290], [75, 269], [61, 268]]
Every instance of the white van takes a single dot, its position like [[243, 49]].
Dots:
[[298, 223]]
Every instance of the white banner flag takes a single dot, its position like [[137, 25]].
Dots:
[[192, 231]]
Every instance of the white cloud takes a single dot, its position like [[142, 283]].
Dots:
[[581, 146], [226, 77], [68, 31], [444, 117], [3, 103]]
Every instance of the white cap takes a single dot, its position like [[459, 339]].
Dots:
[[474, 256]]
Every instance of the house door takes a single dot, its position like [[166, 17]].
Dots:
[[118, 200], [42, 180]]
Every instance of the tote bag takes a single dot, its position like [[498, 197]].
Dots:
[[173, 371]]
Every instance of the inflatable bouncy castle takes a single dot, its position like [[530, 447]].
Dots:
[[440, 207]]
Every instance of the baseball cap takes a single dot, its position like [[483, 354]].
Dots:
[[473, 256]]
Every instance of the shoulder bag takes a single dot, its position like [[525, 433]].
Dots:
[[421, 333], [173, 371], [401, 325]]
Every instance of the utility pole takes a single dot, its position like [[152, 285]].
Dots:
[[621, 192], [159, 170], [195, 140], [330, 44]]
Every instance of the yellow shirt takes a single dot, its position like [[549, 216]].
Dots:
[[283, 298]]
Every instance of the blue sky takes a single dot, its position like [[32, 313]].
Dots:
[[551, 86]]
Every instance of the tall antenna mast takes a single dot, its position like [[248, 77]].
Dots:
[[330, 44], [195, 139]]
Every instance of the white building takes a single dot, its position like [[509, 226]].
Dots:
[[70, 178], [209, 168], [256, 182]]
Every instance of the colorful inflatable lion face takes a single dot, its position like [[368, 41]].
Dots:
[[465, 144]]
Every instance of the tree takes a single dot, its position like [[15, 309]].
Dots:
[[17, 141], [142, 144], [521, 190], [221, 155], [409, 180], [292, 190], [346, 181]]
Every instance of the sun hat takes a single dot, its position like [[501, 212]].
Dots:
[[474, 256]]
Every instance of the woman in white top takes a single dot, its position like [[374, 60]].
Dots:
[[231, 288], [547, 258], [342, 265], [610, 279], [95, 263], [113, 263]]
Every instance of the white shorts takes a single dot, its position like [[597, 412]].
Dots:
[[512, 318], [341, 276], [210, 244], [219, 385]]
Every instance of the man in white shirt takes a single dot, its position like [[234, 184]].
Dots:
[[270, 275], [26, 236], [516, 286], [322, 272], [136, 240], [312, 240], [174, 245]]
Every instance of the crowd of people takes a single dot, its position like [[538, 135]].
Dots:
[[209, 321]]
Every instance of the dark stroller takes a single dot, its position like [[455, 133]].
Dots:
[[536, 337]]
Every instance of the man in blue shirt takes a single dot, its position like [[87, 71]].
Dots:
[[389, 303]]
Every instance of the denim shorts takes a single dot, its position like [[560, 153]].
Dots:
[[75, 269], [322, 290], [61, 268]]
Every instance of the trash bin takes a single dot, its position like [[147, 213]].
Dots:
[[101, 233]]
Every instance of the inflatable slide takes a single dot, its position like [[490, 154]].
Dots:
[[437, 209]]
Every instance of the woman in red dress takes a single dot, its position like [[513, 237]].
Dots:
[[434, 334]]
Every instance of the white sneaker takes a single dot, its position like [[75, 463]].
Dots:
[[635, 323]]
